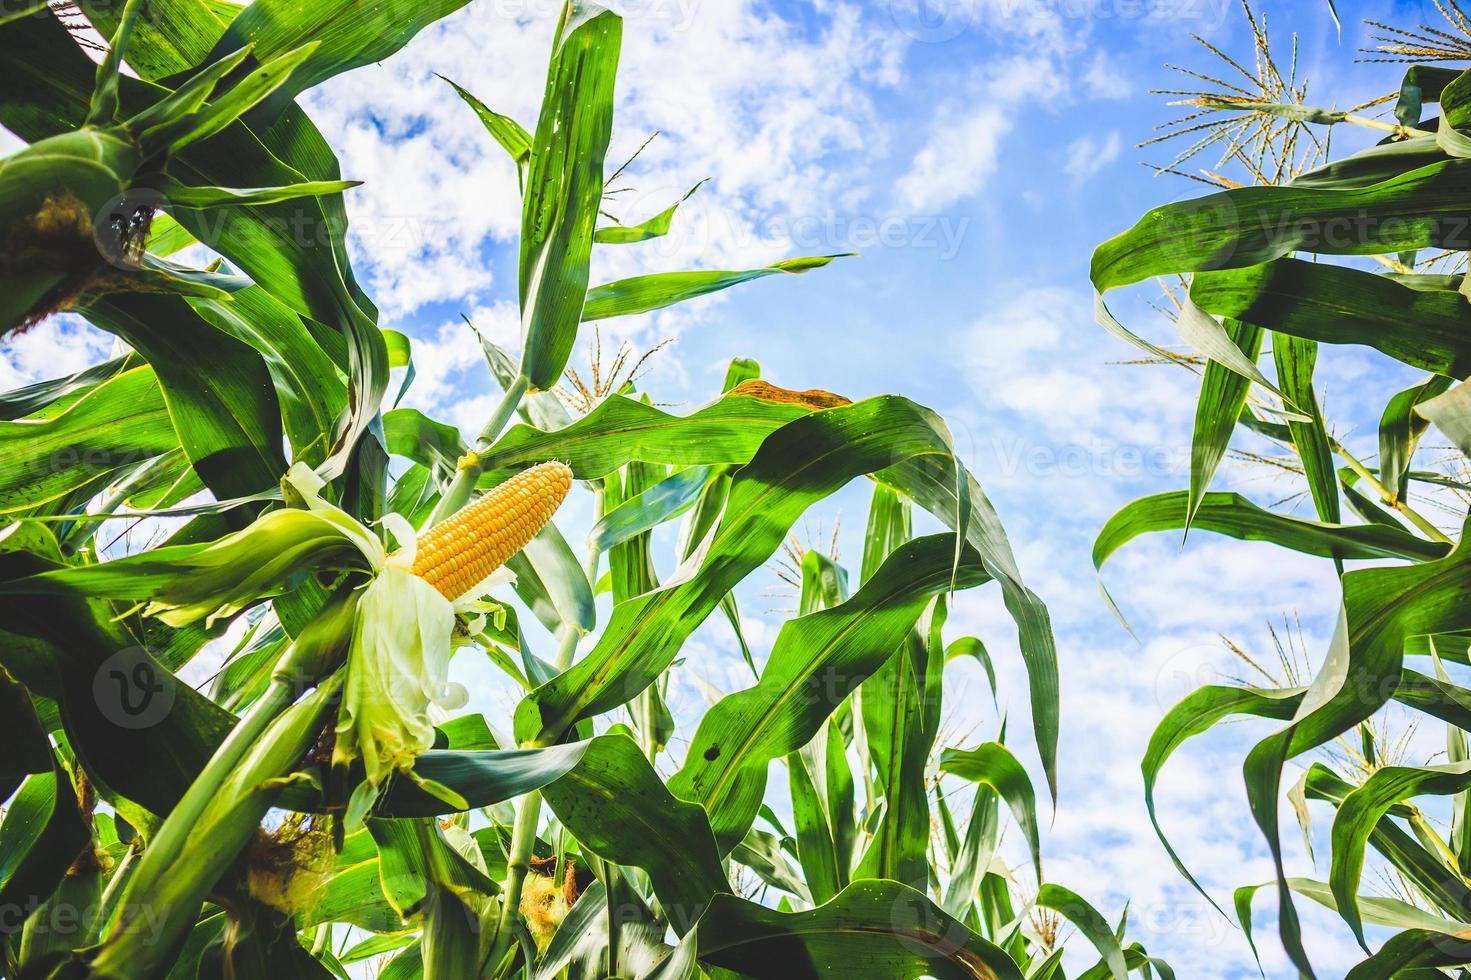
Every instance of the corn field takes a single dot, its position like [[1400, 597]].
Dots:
[[330, 802], [1296, 248], [239, 578]]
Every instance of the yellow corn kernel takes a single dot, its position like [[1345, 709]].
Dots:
[[459, 553]]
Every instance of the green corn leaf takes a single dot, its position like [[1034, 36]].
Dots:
[[824, 583], [481, 778], [1400, 429], [415, 860], [29, 751], [355, 895], [646, 510], [644, 294], [189, 97], [1428, 329], [763, 854], [815, 848], [940, 485], [1109, 322], [1296, 360], [879, 930], [539, 409], [1382, 607], [1422, 868], [176, 880], [53, 396], [344, 35], [184, 195], [262, 942], [623, 429], [407, 965], [701, 518], [1450, 412], [70, 918], [551, 580], [312, 394], [970, 646], [1090, 923], [766, 498], [1435, 696], [1375, 164], [631, 563], [582, 940], [1200, 711], [308, 273], [1234, 516], [614, 804], [1359, 814], [564, 186], [655, 227], [1418, 945], [212, 580], [839, 796], [401, 355], [1422, 84], [901, 706], [816, 662], [434, 445], [104, 108], [1249, 225], [1368, 508], [1223, 345], [175, 134], [375, 946], [42, 833], [228, 419], [1222, 397], [977, 850], [512, 137], [1403, 952], [121, 422], [837, 791], [172, 36], [993, 765], [22, 11]]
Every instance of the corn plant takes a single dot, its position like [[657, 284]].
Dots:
[[1297, 248], [328, 801]]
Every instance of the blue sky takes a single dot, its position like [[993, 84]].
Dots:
[[974, 152]]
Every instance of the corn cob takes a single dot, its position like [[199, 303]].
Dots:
[[459, 553]]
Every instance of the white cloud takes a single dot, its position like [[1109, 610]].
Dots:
[[1087, 155], [1042, 358], [53, 348], [762, 106], [957, 159], [1040, 23], [449, 362], [1104, 79]]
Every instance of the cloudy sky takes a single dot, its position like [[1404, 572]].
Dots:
[[973, 152]]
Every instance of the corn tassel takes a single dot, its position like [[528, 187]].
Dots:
[[458, 554]]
